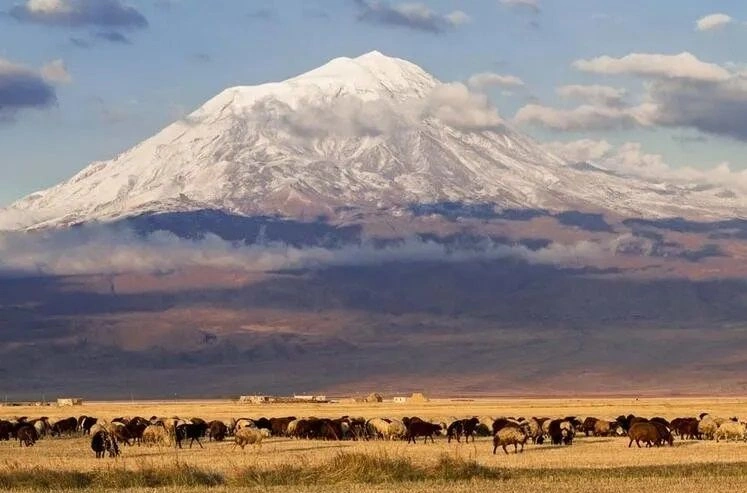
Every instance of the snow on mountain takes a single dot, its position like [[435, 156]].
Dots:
[[369, 133]]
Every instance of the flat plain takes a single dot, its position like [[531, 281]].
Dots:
[[283, 464]]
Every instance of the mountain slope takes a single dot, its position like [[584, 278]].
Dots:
[[366, 133]]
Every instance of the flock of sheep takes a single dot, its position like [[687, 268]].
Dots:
[[108, 436]]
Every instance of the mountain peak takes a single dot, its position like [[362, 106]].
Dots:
[[368, 133], [371, 75]]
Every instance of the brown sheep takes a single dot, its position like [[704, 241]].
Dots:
[[217, 430], [602, 428], [27, 435], [510, 435], [665, 435], [589, 426], [643, 432]]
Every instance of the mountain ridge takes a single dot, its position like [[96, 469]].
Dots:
[[371, 133]]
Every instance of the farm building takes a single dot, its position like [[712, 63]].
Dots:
[[415, 397], [255, 399], [69, 401], [310, 398]]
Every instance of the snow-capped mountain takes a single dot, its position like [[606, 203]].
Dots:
[[366, 133]]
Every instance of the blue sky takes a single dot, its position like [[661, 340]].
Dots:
[[119, 75]]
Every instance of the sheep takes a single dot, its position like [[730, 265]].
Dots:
[[707, 427], [248, 436], [244, 423], [501, 423], [279, 426], [422, 428], [561, 432], [172, 423], [102, 442], [396, 430], [188, 431], [533, 428], [589, 425], [6, 428], [66, 426], [86, 423], [101, 425], [487, 421], [730, 429], [510, 435], [41, 426], [156, 435], [217, 430], [376, 427], [643, 432], [27, 435], [687, 428], [602, 428], [120, 433], [545, 424], [665, 435], [291, 430]]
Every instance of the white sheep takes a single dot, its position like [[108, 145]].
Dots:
[[731, 429], [156, 435], [708, 426], [291, 431], [248, 436], [377, 427], [396, 430], [510, 435]]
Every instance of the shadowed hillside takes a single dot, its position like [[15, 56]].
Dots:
[[489, 327]]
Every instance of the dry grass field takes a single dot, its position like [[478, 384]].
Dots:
[[281, 464]]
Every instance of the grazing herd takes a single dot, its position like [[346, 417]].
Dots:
[[108, 436]]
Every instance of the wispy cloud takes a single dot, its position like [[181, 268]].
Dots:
[[79, 13], [485, 80], [417, 16], [712, 22], [530, 5], [56, 72], [104, 250]]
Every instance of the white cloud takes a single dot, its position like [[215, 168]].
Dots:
[[713, 21], [595, 94], [630, 159], [682, 66], [579, 151], [489, 79], [455, 105], [457, 18], [679, 91], [79, 13], [532, 5], [48, 6], [56, 71], [102, 250], [584, 117]]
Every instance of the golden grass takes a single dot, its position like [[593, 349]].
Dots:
[[591, 464]]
